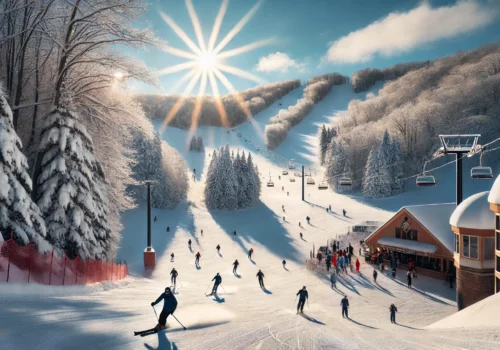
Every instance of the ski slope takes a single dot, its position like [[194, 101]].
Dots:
[[242, 316]]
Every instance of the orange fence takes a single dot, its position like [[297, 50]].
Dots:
[[25, 264]]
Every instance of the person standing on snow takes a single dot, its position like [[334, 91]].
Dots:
[[156, 219], [308, 220], [393, 309], [169, 306], [197, 261], [218, 248], [303, 296], [168, 228], [345, 307], [333, 280], [218, 280], [301, 236], [260, 275], [328, 262], [250, 252], [357, 265], [173, 276], [284, 263], [375, 276], [235, 264], [172, 257], [343, 211], [409, 277], [189, 243], [201, 233]]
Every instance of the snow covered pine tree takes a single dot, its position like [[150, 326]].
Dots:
[[199, 144], [70, 189], [18, 213]]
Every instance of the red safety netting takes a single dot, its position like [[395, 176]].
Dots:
[[25, 264]]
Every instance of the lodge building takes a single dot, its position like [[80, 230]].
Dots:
[[419, 234], [494, 200]]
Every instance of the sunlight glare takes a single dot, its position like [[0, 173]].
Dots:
[[207, 61]]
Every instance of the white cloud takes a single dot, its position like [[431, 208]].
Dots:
[[403, 32], [278, 62]]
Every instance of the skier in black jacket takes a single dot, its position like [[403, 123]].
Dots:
[[393, 310], [169, 306], [235, 264], [173, 276], [303, 295], [260, 275], [218, 280], [345, 306]]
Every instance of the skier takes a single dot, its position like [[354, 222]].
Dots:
[[173, 276], [282, 188], [375, 276], [201, 233], [218, 249], [302, 299], [333, 280], [172, 257], [344, 212], [301, 236], [168, 228], [283, 208], [234, 233], [328, 262], [350, 249], [284, 219], [169, 306], [260, 275], [345, 307], [218, 280], [156, 219], [393, 310], [197, 261], [288, 193], [357, 265], [284, 263], [320, 256], [408, 276], [300, 224], [308, 220], [330, 208], [250, 252], [235, 264], [189, 243]]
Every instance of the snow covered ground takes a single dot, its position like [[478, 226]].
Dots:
[[243, 316]]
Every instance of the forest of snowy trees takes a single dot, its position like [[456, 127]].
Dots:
[[237, 106], [155, 160], [71, 123], [279, 125], [232, 181], [458, 94], [196, 144]]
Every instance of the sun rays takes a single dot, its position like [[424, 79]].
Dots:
[[206, 63]]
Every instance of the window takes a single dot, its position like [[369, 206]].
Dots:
[[471, 246], [457, 244], [498, 285], [411, 235], [398, 233], [489, 248], [498, 240], [498, 263], [498, 222], [414, 235]]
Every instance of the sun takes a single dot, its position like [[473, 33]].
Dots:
[[207, 61], [207, 64]]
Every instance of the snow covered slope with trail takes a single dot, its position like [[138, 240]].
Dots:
[[242, 316]]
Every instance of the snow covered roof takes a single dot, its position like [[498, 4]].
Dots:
[[494, 196], [474, 212], [435, 218], [407, 244]]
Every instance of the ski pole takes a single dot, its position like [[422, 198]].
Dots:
[[178, 321], [223, 288], [155, 314], [207, 287], [308, 302]]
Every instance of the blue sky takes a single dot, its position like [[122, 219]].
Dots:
[[312, 37]]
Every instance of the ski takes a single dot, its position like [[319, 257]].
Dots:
[[151, 331], [145, 331]]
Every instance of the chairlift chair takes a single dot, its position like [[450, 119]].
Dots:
[[291, 164], [323, 185], [270, 184], [345, 181], [310, 181], [285, 172], [481, 172], [426, 180]]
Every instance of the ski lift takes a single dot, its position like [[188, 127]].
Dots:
[[425, 179], [285, 172], [291, 164], [323, 185], [270, 183], [481, 172], [297, 174], [345, 181], [310, 181]]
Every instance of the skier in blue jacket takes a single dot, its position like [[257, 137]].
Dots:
[[169, 306], [218, 280], [302, 299]]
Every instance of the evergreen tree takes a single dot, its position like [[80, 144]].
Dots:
[[370, 177], [212, 183], [338, 166], [18, 213], [199, 144], [254, 183], [242, 179], [193, 144], [385, 155], [222, 187], [398, 168], [323, 144], [71, 189]]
